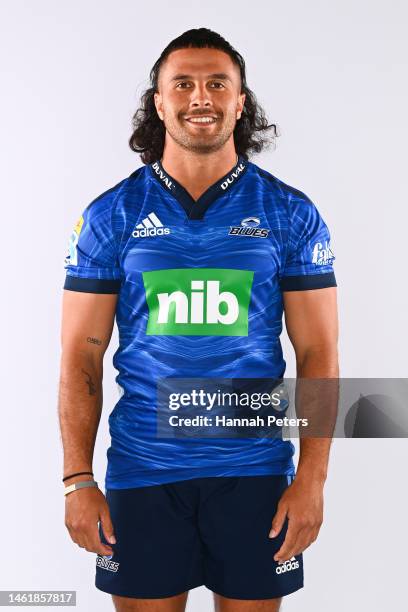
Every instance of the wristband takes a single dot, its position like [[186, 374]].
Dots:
[[80, 485], [76, 474]]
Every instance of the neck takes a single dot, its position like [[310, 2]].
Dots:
[[196, 172]]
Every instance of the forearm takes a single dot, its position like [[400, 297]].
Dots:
[[80, 405], [320, 397], [313, 458]]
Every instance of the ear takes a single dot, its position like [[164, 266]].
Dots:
[[158, 102], [240, 105]]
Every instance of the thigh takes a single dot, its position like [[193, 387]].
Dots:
[[224, 604], [157, 554], [235, 518], [169, 604]]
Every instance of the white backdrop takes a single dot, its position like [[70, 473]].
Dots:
[[333, 75]]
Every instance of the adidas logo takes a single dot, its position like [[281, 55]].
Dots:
[[150, 226], [288, 566]]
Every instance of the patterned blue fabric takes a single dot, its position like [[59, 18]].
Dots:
[[250, 221]]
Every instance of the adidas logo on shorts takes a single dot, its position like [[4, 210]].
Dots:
[[150, 226], [288, 566]]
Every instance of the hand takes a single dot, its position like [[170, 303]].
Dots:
[[83, 509], [302, 503]]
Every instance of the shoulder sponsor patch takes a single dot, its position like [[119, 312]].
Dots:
[[322, 253], [72, 257]]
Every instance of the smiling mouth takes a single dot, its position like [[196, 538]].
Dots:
[[204, 120]]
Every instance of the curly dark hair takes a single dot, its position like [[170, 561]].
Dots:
[[251, 133]]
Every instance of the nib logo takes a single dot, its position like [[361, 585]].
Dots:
[[150, 226], [288, 566], [198, 301]]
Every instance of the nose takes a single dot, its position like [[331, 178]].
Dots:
[[200, 96]]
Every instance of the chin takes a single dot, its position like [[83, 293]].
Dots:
[[205, 148]]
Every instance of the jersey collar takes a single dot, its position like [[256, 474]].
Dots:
[[196, 209]]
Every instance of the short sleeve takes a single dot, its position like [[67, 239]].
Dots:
[[309, 256], [92, 263]]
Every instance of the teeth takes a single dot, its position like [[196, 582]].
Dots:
[[201, 120]]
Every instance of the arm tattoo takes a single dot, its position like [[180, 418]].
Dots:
[[90, 383], [94, 340]]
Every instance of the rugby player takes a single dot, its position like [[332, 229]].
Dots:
[[196, 254]]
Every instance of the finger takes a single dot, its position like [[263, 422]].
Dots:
[[96, 545], [79, 539], [305, 537], [93, 544], [303, 540], [90, 541], [107, 526], [278, 521], [314, 535], [289, 541], [75, 533]]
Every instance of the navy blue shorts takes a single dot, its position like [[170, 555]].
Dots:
[[206, 531]]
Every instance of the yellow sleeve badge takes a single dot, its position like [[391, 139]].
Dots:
[[72, 257]]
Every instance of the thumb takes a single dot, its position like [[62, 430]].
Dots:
[[107, 527], [278, 521]]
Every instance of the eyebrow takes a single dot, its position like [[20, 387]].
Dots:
[[215, 75]]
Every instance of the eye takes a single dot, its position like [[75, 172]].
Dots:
[[217, 85], [182, 85]]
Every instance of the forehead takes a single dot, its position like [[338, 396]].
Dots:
[[198, 63]]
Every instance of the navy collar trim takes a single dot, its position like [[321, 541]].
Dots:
[[196, 209]]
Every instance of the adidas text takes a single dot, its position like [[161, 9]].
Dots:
[[154, 231], [150, 226], [289, 565]]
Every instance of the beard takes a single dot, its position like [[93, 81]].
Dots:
[[200, 143]]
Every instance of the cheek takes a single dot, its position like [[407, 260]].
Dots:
[[229, 105], [231, 112], [170, 105], [174, 107]]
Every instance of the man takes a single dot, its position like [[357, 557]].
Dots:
[[197, 253]]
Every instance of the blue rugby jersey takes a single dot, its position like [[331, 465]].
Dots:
[[199, 287]]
